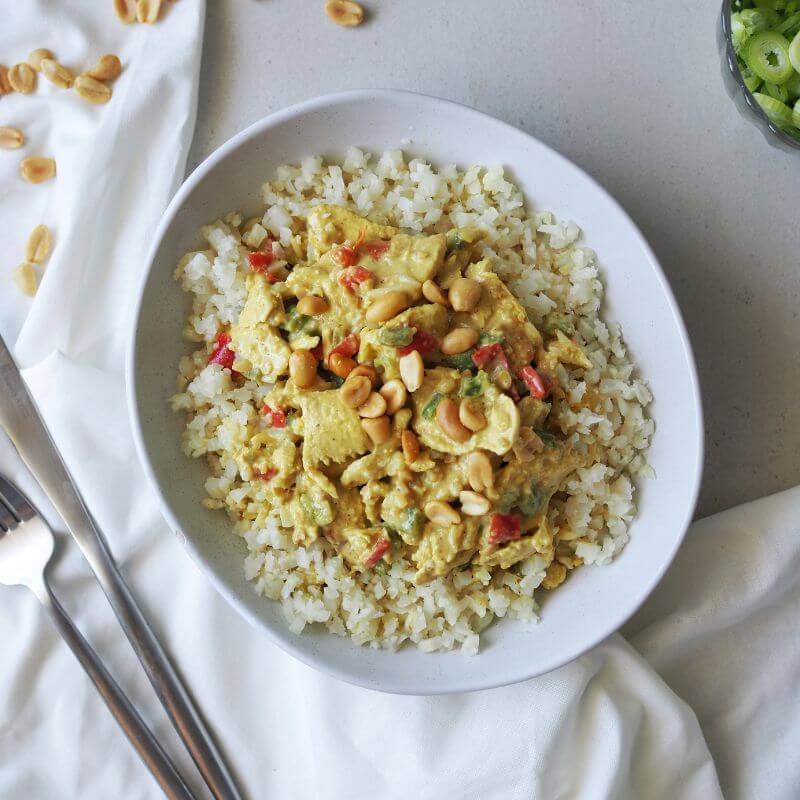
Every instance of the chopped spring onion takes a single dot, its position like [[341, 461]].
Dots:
[[396, 337], [789, 26], [767, 54], [778, 92], [547, 437], [453, 240], [473, 385], [317, 509], [430, 410], [491, 338], [778, 112], [794, 52], [752, 82], [775, 5], [767, 44], [411, 522], [461, 361], [530, 503]]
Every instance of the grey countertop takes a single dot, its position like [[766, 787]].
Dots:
[[630, 91]]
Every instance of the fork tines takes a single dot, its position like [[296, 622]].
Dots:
[[14, 506]]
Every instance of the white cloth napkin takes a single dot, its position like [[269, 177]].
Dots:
[[715, 641]]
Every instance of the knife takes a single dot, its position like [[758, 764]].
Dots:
[[21, 419]]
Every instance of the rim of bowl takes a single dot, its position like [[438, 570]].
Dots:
[[285, 639], [733, 66]]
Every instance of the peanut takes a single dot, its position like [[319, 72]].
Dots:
[[373, 407], [303, 368], [11, 138], [441, 513], [471, 416], [107, 68], [147, 11], [410, 445], [37, 169], [464, 294], [344, 12], [473, 504], [57, 73], [341, 365], [5, 86], [312, 306], [24, 277], [35, 58], [126, 10], [458, 341], [379, 430], [355, 390], [92, 90], [447, 417], [434, 294], [22, 78], [395, 394], [412, 370], [386, 306], [479, 471], [38, 246], [368, 372]]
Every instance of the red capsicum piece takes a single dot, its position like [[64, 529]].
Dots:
[[347, 347], [504, 528], [483, 356], [376, 249], [354, 276], [423, 342], [262, 259], [345, 255], [222, 354], [538, 386], [378, 552], [277, 415], [268, 475]]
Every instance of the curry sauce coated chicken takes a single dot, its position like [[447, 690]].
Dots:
[[411, 401]]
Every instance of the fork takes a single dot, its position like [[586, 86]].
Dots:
[[26, 546]]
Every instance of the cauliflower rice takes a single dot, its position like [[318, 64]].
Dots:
[[542, 262]]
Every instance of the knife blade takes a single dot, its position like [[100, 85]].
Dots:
[[24, 425]]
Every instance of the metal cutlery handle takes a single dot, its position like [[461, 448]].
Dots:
[[140, 736], [165, 680], [22, 421]]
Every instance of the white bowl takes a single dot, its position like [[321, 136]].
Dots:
[[595, 601]]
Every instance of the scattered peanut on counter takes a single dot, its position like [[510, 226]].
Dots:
[[345, 12]]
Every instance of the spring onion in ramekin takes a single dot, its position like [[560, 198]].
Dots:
[[766, 38]]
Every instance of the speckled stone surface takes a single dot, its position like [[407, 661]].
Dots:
[[632, 93]]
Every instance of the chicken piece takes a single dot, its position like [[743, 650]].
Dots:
[[332, 431], [263, 303], [349, 514], [540, 544], [532, 412], [385, 461], [363, 547], [502, 417], [261, 352], [498, 311], [345, 313], [441, 549], [526, 488], [330, 225], [415, 258], [555, 575], [564, 350]]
